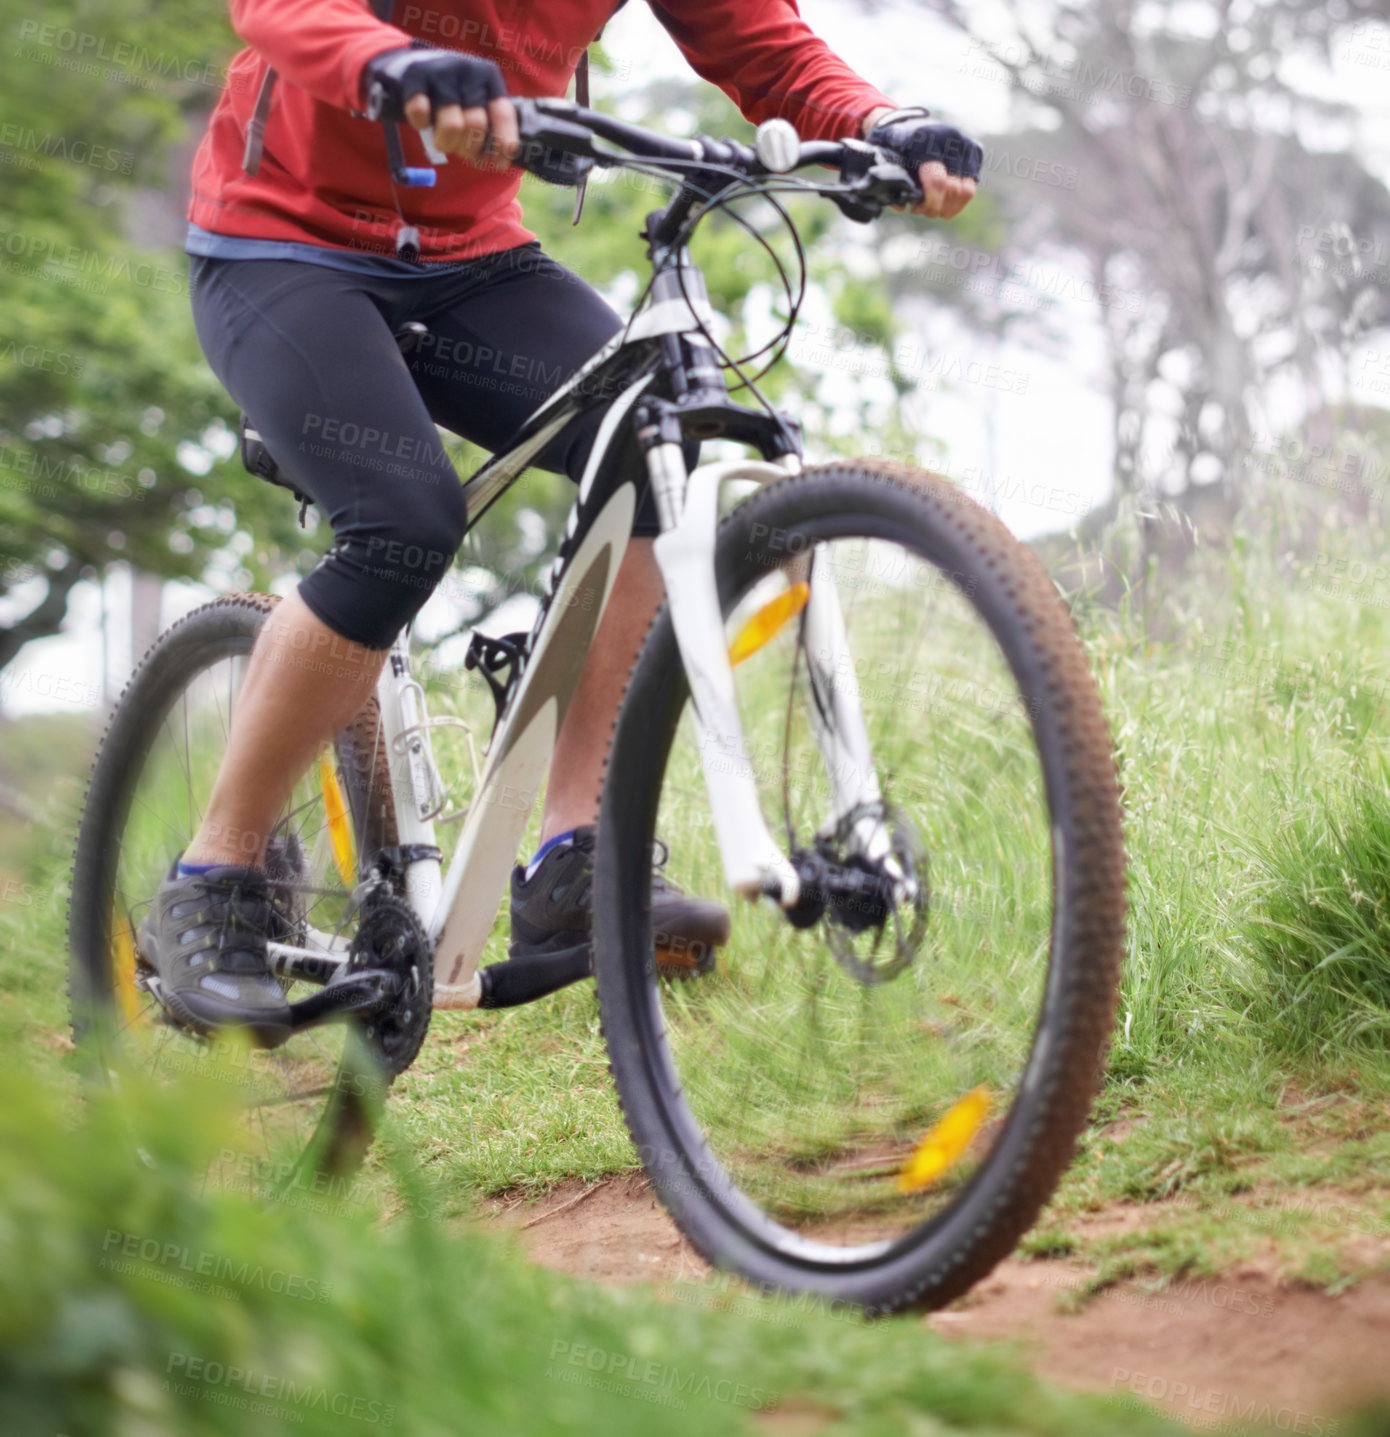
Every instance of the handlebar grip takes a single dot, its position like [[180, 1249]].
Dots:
[[552, 149], [554, 166]]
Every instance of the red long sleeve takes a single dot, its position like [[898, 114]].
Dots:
[[318, 45], [323, 177], [769, 62]]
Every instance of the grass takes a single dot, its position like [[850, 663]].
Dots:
[[131, 1305], [1250, 1048], [1245, 1100], [1321, 931]]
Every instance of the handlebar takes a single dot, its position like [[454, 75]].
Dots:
[[560, 142]]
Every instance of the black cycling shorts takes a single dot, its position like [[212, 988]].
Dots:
[[309, 353]]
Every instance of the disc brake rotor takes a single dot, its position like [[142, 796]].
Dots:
[[869, 880]]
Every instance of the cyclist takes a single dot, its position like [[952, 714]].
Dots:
[[306, 259]]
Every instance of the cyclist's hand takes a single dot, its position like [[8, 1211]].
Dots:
[[463, 97], [946, 162]]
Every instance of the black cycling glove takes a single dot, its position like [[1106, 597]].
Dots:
[[909, 133], [443, 76]]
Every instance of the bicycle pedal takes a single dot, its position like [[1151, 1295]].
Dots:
[[686, 961]]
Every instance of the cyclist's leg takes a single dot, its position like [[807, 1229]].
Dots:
[[491, 358], [309, 354], [288, 706]]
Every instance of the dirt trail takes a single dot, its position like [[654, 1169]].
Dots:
[[1247, 1347]]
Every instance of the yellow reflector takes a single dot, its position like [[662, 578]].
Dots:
[[942, 1147], [768, 621], [339, 825], [123, 968]]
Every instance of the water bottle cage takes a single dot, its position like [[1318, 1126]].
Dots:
[[492, 656]]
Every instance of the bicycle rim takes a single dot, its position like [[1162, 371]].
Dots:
[[846, 1097], [305, 1109]]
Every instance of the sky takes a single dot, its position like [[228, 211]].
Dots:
[[1028, 432]]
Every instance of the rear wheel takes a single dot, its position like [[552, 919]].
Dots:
[[308, 1105], [876, 1105]]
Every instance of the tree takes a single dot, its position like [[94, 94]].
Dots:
[[106, 407], [1163, 144]]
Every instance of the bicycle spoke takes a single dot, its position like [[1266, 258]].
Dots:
[[287, 1092], [297, 1096], [159, 818], [816, 1060], [188, 763]]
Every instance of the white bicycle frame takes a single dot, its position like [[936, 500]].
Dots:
[[458, 907]]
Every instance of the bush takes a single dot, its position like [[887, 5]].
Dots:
[[130, 1303], [1321, 932]]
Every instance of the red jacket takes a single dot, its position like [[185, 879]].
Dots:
[[323, 176]]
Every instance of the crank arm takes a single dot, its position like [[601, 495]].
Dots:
[[308, 965], [360, 996]]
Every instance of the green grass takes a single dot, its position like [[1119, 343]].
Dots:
[[1321, 933], [1252, 739], [130, 1304], [1245, 1102]]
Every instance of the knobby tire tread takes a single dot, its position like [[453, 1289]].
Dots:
[[1080, 1014]]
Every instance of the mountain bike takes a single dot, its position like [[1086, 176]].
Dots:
[[862, 719]]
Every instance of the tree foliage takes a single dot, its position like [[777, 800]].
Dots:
[[1225, 219], [105, 402]]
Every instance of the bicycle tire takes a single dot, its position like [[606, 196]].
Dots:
[[1012, 593]]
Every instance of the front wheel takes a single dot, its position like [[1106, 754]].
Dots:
[[872, 1098]]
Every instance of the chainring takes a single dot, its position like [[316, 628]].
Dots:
[[391, 938]]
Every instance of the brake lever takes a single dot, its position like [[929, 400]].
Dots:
[[877, 181], [382, 108], [892, 184]]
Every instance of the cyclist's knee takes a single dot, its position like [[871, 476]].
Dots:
[[414, 544], [434, 524], [383, 567]]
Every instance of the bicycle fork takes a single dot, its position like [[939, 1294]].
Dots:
[[754, 863]]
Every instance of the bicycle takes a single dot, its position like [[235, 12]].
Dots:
[[882, 1080]]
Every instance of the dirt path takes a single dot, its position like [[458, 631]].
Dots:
[[1246, 1348]]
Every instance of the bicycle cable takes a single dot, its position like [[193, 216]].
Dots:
[[743, 186], [781, 341], [720, 199]]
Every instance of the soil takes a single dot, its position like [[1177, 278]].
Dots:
[[1249, 1346]]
